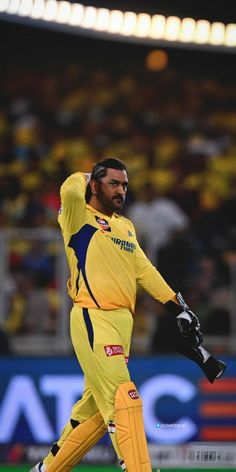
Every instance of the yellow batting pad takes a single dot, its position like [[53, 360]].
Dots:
[[78, 443], [130, 432]]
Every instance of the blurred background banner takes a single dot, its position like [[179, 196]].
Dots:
[[180, 408]]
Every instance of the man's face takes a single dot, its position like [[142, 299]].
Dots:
[[112, 189]]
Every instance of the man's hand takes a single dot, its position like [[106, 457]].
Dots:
[[188, 323], [188, 326], [87, 177]]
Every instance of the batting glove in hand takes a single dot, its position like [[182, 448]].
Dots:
[[188, 323]]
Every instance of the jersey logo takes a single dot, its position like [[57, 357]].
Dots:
[[113, 350], [133, 394], [130, 234], [103, 223]]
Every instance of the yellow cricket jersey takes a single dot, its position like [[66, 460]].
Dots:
[[105, 259]]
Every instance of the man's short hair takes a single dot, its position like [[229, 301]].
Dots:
[[100, 170]]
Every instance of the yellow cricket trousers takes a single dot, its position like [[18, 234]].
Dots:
[[101, 340]]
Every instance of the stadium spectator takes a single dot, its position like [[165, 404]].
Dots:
[[156, 219]]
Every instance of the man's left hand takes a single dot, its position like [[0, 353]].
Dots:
[[189, 327]]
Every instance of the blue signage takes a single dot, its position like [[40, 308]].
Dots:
[[179, 404]]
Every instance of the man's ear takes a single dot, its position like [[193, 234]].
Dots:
[[94, 187]]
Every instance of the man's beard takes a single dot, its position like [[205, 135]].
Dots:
[[110, 204]]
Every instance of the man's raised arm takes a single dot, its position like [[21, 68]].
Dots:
[[73, 204]]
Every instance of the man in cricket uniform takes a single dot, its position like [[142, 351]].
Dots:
[[106, 264]]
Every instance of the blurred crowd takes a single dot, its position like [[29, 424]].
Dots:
[[177, 136]]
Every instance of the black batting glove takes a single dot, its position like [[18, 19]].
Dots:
[[187, 322]]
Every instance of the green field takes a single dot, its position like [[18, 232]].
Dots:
[[25, 468]]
